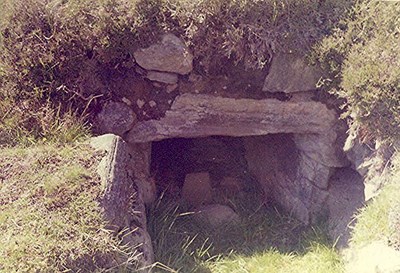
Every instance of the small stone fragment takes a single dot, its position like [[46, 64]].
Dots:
[[126, 101], [375, 257], [171, 88], [140, 103], [216, 216], [152, 103], [164, 77]]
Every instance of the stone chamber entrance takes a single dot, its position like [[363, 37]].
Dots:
[[213, 170], [215, 193], [251, 165], [227, 194]]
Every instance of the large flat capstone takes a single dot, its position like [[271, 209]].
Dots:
[[204, 115]]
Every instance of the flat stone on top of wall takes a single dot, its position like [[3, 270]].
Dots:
[[290, 73]]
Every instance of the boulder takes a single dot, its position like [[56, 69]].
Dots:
[[170, 55], [216, 216], [197, 189], [116, 118], [290, 73]]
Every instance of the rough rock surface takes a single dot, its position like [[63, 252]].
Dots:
[[197, 189], [122, 203], [370, 160], [290, 73], [278, 166], [171, 55], [116, 118], [216, 216], [346, 196], [202, 115], [140, 165], [375, 257]]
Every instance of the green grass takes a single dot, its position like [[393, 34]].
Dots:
[[318, 258], [50, 217], [372, 221], [265, 240]]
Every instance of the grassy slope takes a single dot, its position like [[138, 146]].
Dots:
[[50, 219]]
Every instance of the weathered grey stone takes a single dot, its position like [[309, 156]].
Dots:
[[300, 183], [197, 189], [116, 118], [216, 216], [375, 257], [292, 171], [370, 160], [164, 77], [171, 55], [318, 154], [203, 115], [346, 196], [290, 73], [121, 201], [140, 166], [275, 161]]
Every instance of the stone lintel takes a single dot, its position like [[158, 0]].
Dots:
[[194, 116]]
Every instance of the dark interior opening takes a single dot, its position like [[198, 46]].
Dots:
[[259, 163], [219, 156], [243, 214]]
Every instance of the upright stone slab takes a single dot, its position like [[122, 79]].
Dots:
[[121, 201], [197, 189]]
